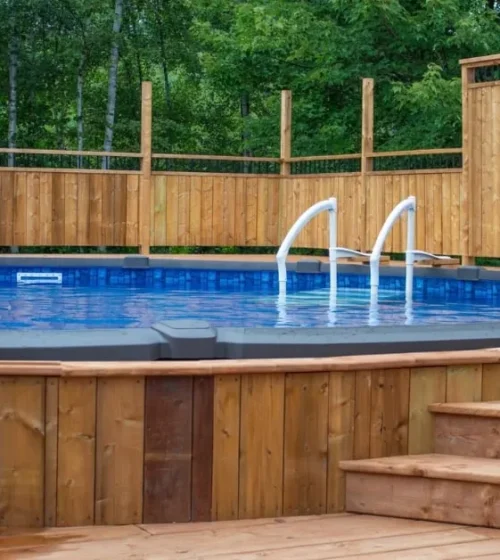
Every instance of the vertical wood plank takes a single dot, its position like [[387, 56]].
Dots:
[[7, 209], [46, 208], [207, 211], [161, 209], [20, 211], [227, 416], [83, 205], [58, 208], [51, 437], [195, 216], [183, 183], [495, 168], [251, 211], [306, 444], [491, 382], [172, 214], [203, 439], [120, 233], [389, 413], [464, 383], [427, 386], [119, 451], [70, 208], [33, 209], [108, 209], [132, 224], [168, 455], [362, 415], [96, 229], [286, 131], [261, 447], [342, 391], [76, 452], [22, 433]]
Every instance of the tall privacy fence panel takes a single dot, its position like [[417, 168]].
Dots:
[[145, 200]]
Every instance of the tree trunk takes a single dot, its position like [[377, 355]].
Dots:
[[112, 84], [79, 109], [13, 64], [245, 136]]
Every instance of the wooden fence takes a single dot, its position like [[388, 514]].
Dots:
[[124, 443], [457, 207]]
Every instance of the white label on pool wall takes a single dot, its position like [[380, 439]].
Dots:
[[39, 277]]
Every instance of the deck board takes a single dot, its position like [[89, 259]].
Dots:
[[297, 538]]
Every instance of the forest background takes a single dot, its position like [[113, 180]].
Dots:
[[73, 68]]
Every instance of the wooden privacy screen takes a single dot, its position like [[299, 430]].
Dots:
[[129, 449], [64, 208], [259, 211]]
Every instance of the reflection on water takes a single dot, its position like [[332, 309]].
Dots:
[[55, 307]]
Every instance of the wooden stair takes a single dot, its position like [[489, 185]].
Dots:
[[459, 483]]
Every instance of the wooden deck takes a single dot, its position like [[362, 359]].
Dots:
[[294, 538]]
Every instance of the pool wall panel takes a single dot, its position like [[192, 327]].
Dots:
[[192, 441]]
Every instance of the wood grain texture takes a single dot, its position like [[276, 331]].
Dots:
[[342, 394], [119, 451], [168, 449], [203, 436], [427, 386], [22, 434], [226, 448], [261, 446], [76, 452], [362, 414], [389, 412], [51, 450], [306, 444], [464, 383], [490, 390]]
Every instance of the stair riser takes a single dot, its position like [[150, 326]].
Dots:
[[468, 436], [448, 501]]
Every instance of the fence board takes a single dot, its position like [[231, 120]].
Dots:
[[76, 452], [306, 444]]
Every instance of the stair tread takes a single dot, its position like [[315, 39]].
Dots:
[[487, 409], [451, 467]]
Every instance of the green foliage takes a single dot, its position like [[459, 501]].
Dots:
[[217, 68]]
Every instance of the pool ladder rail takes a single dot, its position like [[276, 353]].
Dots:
[[407, 205]]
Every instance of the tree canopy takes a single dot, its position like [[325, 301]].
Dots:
[[217, 68]]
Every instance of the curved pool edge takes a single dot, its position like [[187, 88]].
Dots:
[[198, 340]]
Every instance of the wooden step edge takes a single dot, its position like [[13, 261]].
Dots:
[[485, 409], [442, 467]]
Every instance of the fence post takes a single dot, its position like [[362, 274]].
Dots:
[[467, 234], [145, 181], [366, 161], [286, 131]]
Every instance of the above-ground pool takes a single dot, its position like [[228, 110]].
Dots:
[[153, 309], [104, 298]]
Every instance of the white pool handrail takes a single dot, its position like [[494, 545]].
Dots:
[[334, 252], [408, 205], [329, 204]]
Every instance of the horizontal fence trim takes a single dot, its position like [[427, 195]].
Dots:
[[401, 153], [323, 158], [477, 85], [68, 153], [416, 171], [70, 170], [325, 175], [248, 366], [214, 174], [489, 60], [216, 158]]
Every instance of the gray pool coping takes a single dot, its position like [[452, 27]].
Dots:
[[198, 340]]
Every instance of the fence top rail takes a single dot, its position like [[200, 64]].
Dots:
[[489, 60], [236, 367], [68, 153], [430, 152], [323, 158], [216, 158]]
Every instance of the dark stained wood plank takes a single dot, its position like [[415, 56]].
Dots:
[[168, 449], [203, 438]]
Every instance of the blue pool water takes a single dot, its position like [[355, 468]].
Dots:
[[114, 298]]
